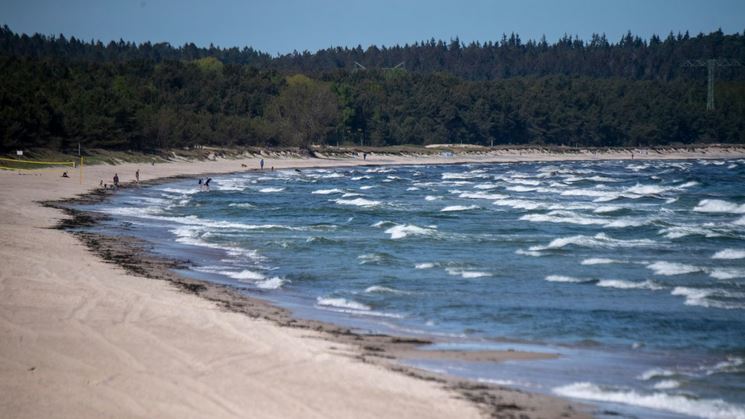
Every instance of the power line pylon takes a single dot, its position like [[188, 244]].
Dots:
[[711, 65]]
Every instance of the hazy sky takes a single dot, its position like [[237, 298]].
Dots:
[[280, 26]]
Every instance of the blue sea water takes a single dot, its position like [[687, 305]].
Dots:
[[632, 271]]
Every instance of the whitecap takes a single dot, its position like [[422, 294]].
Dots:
[[383, 290], [383, 223], [341, 303], [605, 209], [599, 240], [272, 283], [244, 275], [270, 190], [425, 265], [565, 278], [467, 274], [729, 254], [181, 191], [519, 204], [621, 284], [592, 193], [719, 206], [528, 252], [703, 297], [432, 198], [486, 186], [646, 190], [370, 258], [666, 385], [366, 187], [360, 202], [453, 208], [327, 191], [654, 373], [627, 222], [448, 176], [599, 261], [727, 273], [244, 205], [404, 230], [705, 408], [563, 217], [678, 232], [671, 268], [481, 195]]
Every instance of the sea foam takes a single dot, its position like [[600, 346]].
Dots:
[[670, 268], [327, 191], [621, 284], [729, 254], [452, 208], [707, 297], [406, 230], [360, 202], [341, 303], [705, 408], [719, 206], [564, 278]]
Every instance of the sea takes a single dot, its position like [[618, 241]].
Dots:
[[632, 272]]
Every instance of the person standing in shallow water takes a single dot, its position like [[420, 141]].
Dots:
[[261, 164], [137, 176], [116, 180]]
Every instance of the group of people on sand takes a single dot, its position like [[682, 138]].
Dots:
[[115, 181]]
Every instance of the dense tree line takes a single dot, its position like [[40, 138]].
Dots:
[[125, 99], [630, 57]]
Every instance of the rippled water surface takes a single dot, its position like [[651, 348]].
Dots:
[[635, 271]]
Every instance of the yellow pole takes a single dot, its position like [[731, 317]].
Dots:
[[81, 170]]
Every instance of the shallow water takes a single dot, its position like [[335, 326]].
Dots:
[[634, 271]]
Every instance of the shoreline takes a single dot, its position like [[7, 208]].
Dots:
[[477, 393], [380, 349]]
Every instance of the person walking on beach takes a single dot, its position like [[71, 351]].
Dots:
[[137, 176], [261, 164], [116, 180]]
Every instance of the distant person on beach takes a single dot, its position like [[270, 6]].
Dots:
[[64, 174], [364, 156], [100, 183], [137, 175], [261, 164], [116, 180]]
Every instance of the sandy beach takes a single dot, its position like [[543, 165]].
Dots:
[[80, 337]]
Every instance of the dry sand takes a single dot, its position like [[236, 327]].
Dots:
[[82, 338]]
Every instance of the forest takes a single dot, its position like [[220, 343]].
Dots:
[[57, 92]]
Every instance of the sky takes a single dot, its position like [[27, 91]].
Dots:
[[281, 26]]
